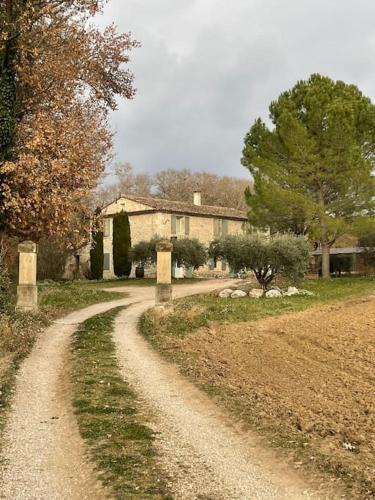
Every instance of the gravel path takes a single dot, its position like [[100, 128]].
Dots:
[[43, 454], [201, 450]]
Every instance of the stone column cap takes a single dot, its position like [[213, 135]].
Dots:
[[164, 246], [27, 247]]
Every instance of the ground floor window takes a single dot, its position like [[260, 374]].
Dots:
[[106, 266]]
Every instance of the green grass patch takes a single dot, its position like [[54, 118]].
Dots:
[[120, 282], [59, 298], [121, 445], [211, 308]]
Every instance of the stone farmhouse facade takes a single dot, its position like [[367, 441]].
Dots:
[[149, 217]]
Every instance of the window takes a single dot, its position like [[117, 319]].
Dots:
[[180, 226], [220, 228], [106, 262], [107, 228]]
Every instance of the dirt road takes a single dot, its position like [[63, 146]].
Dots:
[[43, 456], [206, 457], [203, 453]]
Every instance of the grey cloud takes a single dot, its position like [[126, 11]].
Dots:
[[208, 68]]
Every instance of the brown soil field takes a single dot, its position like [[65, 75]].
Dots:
[[305, 380]]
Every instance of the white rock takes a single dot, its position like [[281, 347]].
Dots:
[[292, 290], [273, 294], [256, 293], [225, 294], [238, 294]]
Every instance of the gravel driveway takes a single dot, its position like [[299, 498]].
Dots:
[[203, 453], [43, 454]]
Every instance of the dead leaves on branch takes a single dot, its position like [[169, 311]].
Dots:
[[68, 77]]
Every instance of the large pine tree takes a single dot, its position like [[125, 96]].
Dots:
[[313, 168]]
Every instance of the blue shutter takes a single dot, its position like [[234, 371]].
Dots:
[[106, 262], [225, 227], [173, 225], [187, 226]]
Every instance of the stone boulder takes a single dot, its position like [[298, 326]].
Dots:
[[238, 294], [292, 290], [256, 293], [273, 294], [225, 294]]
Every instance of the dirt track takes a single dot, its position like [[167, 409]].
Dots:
[[202, 451], [306, 377]]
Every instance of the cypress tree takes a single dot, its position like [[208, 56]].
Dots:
[[96, 256], [121, 245]]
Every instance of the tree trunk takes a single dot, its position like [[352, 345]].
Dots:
[[325, 261]]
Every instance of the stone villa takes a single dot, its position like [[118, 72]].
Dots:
[[151, 217]]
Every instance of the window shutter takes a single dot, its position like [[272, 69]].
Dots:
[[173, 225], [106, 262], [187, 226], [225, 227], [216, 228]]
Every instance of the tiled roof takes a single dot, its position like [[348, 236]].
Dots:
[[178, 207]]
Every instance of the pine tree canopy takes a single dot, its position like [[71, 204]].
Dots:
[[314, 166]]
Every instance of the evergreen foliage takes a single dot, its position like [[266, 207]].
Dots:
[[96, 256], [268, 258], [8, 90], [189, 253], [313, 169], [121, 245], [186, 252]]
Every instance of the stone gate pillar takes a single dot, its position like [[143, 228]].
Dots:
[[164, 272], [27, 291]]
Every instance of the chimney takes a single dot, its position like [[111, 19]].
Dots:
[[197, 198]]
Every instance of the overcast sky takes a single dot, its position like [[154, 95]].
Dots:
[[208, 68]]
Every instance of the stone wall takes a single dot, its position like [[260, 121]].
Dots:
[[145, 226]]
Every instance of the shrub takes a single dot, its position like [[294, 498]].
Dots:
[[121, 245], [5, 282], [189, 253], [52, 257], [186, 252], [144, 252], [96, 256], [286, 256]]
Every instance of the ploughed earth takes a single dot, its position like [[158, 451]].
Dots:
[[305, 380]]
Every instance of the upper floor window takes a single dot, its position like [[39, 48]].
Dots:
[[180, 226], [107, 228], [220, 228]]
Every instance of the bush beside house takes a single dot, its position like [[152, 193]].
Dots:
[[286, 256], [189, 253]]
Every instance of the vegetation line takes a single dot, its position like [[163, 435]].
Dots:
[[109, 416]]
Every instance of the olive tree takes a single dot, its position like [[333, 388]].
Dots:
[[186, 252], [268, 258]]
